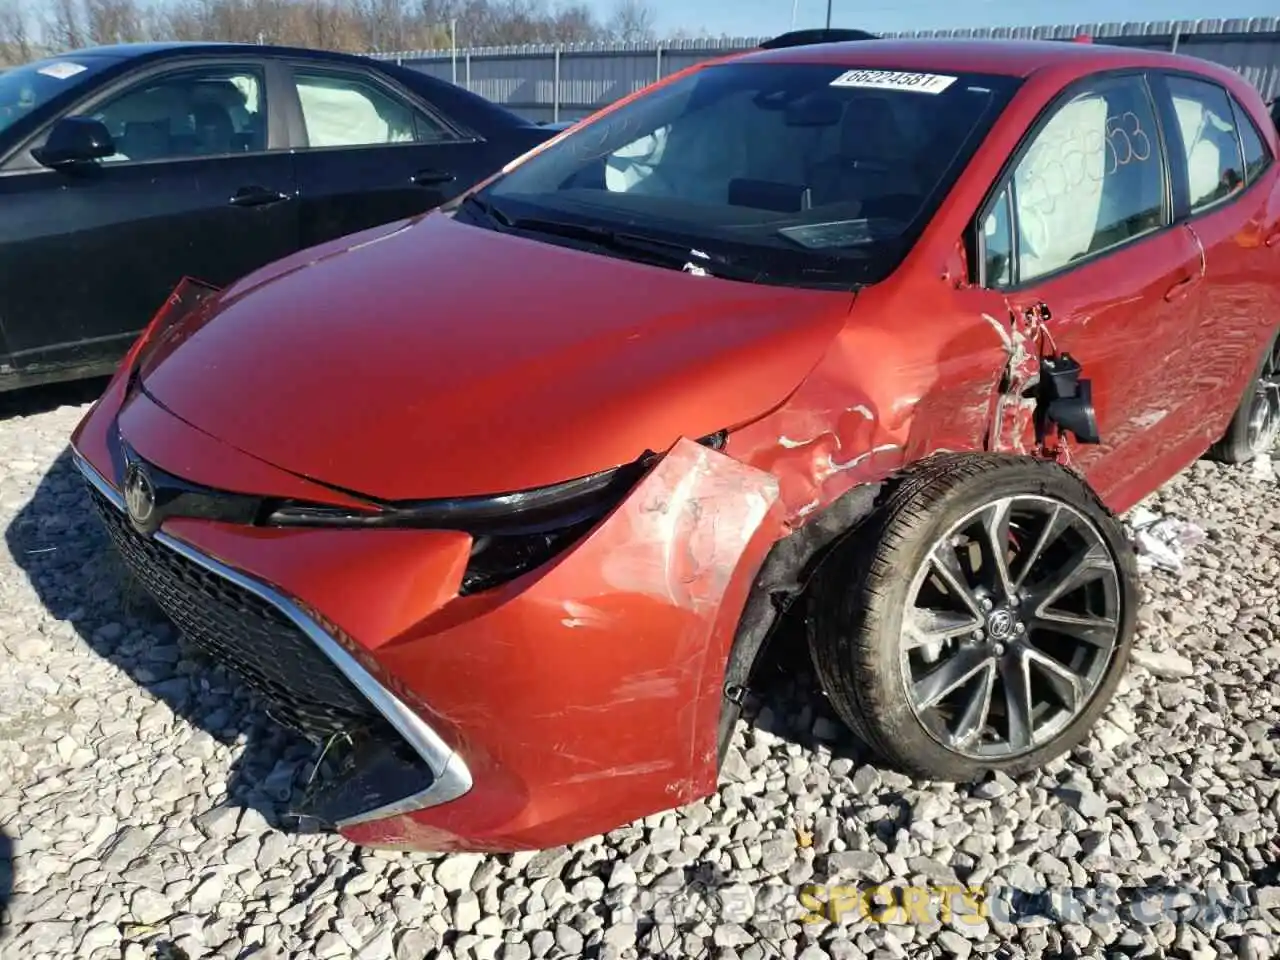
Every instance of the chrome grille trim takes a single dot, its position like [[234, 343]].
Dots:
[[452, 778]]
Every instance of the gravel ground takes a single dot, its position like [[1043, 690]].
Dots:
[[142, 792]]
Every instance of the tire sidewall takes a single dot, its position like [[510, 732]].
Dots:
[[883, 614], [1234, 446]]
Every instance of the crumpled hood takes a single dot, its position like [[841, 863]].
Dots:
[[431, 358]]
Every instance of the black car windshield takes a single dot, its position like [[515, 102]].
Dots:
[[27, 88], [824, 173]]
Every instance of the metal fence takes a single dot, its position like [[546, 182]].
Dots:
[[571, 81]]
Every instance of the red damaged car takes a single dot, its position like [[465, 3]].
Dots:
[[502, 501]]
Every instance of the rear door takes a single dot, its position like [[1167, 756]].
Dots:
[[369, 151], [1229, 200], [200, 185], [1082, 230]]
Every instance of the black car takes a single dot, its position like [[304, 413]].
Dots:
[[125, 168]]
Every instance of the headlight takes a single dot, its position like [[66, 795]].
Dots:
[[512, 532], [526, 511]]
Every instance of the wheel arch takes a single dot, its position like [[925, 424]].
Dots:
[[793, 561], [781, 580]]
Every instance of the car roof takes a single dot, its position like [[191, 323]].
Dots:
[[1014, 58], [129, 51]]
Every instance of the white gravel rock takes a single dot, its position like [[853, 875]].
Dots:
[[144, 793]]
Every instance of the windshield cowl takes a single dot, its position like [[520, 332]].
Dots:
[[724, 260]]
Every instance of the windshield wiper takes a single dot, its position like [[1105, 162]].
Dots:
[[486, 210], [772, 265], [665, 253]]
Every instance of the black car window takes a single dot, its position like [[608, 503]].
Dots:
[[198, 112], [1257, 155], [1207, 131], [1090, 179], [344, 110]]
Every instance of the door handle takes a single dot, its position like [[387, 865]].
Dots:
[[256, 196], [1181, 288], [429, 178]]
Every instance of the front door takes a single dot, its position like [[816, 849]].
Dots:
[[1082, 230], [193, 190], [371, 153]]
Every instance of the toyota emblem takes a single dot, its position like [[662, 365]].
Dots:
[[1000, 625], [139, 496]]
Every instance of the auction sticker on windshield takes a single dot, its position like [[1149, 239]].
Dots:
[[63, 70], [894, 80]]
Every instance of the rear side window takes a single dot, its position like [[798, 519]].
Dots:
[[344, 110], [1257, 155], [1090, 179], [1210, 144]]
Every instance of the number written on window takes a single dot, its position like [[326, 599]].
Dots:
[[1090, 179]]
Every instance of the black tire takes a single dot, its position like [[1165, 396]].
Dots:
[[862, 591], [1240, 444]]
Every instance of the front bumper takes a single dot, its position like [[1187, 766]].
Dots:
[[577, 698], [277, 647]]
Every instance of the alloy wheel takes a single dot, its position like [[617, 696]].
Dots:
[[1264, 413], [1011, 624]]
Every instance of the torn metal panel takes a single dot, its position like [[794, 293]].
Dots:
[[1013, 420]]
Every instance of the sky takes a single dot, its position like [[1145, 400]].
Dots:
[[752, 18]]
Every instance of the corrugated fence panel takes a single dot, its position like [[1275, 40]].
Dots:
[[597, 79], [543, 83]]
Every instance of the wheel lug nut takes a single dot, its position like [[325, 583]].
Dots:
[[1020, 628], [998, 649], [978, 635], [986, 603]]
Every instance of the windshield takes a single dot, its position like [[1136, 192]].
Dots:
[[829, 169], [27, 88]]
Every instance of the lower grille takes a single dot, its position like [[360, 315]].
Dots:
[[239, 629]]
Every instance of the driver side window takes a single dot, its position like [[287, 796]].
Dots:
[[211, 111], [1090, 180]]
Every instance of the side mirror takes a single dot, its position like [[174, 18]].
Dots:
[[75, 140]]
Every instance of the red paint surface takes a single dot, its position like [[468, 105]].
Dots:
[[430, 358]]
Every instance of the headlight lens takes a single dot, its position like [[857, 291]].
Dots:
[[512, 532], [526, 511]]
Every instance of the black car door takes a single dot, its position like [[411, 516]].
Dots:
[[370, 151], [201, 185]]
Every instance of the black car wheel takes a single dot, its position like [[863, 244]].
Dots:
[[979, 620], [1256, 425]]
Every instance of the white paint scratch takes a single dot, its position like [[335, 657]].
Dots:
[[998, 327]]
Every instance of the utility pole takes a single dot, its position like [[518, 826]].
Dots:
[[828, 14], [795, 9], [453, 45]]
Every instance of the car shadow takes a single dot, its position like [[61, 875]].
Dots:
[[57, 540], [786, 699], [30, 401], [8, 868]]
